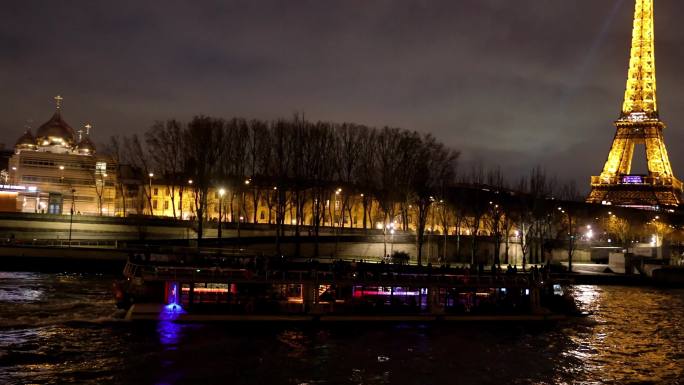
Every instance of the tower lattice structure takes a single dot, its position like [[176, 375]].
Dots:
[[639, 123]]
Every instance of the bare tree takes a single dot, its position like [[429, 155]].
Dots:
[[115, 151], [348, 153], [205, 146], [137, 155], [165, 143], [434, 166], [366, 174], [495, 217]]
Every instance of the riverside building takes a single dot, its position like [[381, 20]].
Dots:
[[58, 170]]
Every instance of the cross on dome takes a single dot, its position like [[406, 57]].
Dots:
[[58, 101]]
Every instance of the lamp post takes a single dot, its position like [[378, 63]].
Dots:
[[431, 210], [277, 219], [188, 226], [221, 192], [190, 206], [334, 219], [571, 238], [61, 181], [445, 230], [238, 227], [71, 217], [103, 197], [244, 201], [151, 175], [13, 179], [392, 244], [338, 198]]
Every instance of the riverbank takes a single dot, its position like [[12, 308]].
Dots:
[[105, 259]]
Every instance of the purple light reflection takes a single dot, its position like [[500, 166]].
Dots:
[[169, 332]]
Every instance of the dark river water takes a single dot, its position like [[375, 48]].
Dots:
[[63, 328]]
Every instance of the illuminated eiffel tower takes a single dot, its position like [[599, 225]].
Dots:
[[638, 124]]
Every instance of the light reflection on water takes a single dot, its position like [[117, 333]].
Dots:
[[169, 332], [634, 335], [69, 334]]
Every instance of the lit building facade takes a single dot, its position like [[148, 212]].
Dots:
[[58, 170]]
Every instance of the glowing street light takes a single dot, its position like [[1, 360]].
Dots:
[[151, 175], [392, 242], [221, 193]]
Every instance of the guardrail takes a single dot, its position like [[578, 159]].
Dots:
[[376, 278], [637, 180], [64, 243]]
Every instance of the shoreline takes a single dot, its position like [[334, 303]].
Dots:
[[112, 261]]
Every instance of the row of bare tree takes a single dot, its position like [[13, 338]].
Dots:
[[294, 166], [290, 163]]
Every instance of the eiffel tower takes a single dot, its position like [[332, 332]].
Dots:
[[639, 123]]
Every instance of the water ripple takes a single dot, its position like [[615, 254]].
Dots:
[[58, 329]]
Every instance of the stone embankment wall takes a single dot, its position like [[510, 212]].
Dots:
[[25, 229]]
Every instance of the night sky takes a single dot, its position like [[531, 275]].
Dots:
[[516, 83]]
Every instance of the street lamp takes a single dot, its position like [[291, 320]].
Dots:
[[240, 218], [71, 217], [61, 181], [337, 194], [571, 237], [221, 192], [392, 242], [240, 209], [244, 202], [151, 175], [104, 190]]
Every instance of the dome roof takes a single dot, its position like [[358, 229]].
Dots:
[[26, 140], [86, 145], [56, 127]]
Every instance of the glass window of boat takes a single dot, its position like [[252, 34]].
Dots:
[[206, 293], [291, 293]]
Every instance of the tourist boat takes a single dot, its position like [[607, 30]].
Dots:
[[238, 288]]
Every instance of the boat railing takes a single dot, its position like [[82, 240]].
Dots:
[[213, 274], [130, 270]]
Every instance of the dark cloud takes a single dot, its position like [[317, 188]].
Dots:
[[516, 83]]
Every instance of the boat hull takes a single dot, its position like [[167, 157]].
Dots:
[[157, 312]]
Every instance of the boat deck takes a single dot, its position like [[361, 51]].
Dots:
[[373, 275]]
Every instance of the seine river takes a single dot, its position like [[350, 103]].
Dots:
[[63, 328]]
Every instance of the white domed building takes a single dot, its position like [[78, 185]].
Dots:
[[58, 170]]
